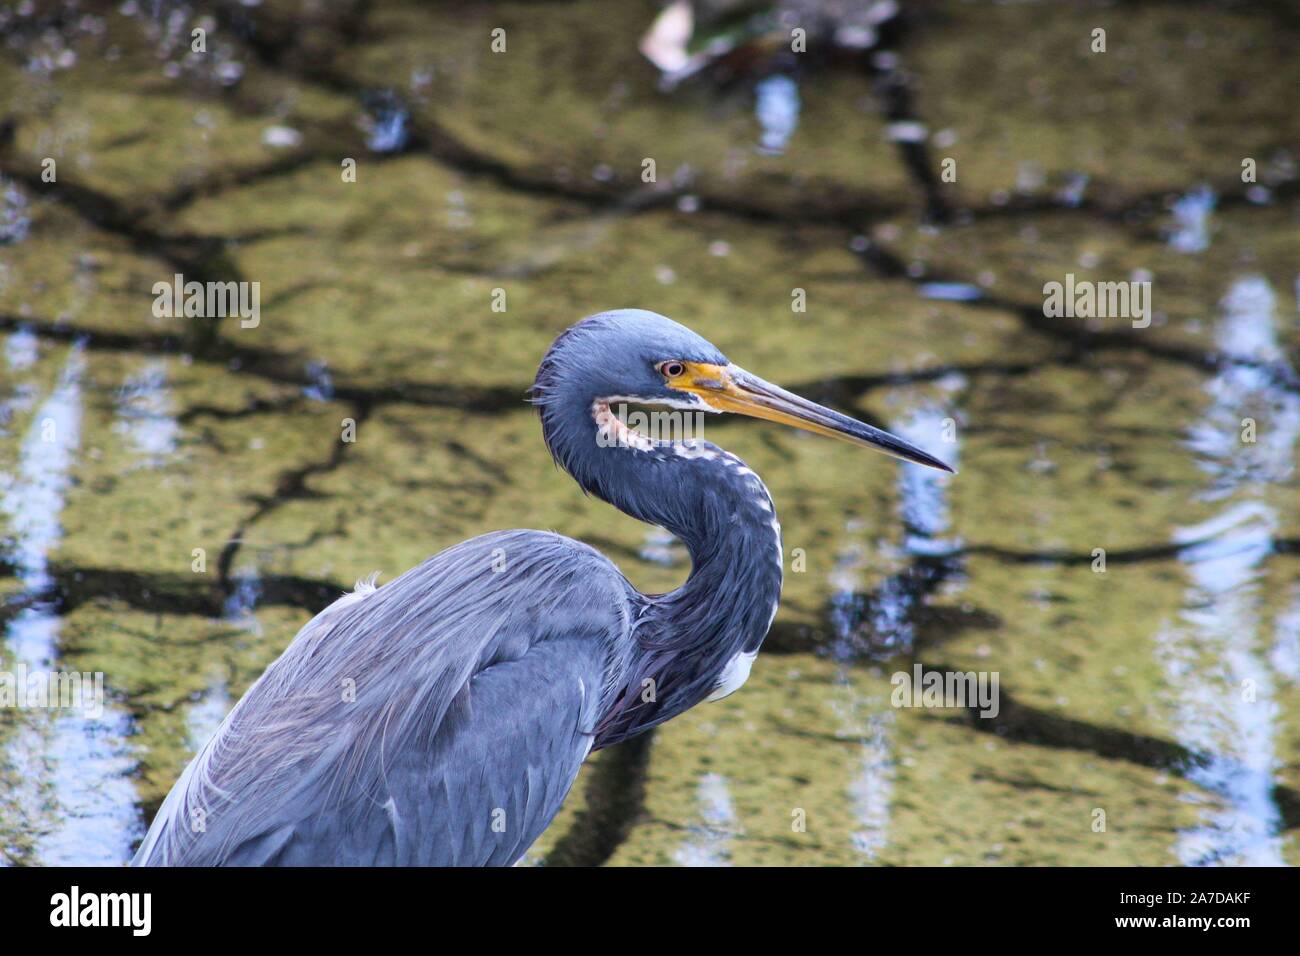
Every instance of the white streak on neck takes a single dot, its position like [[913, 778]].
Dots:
[[734, 675]]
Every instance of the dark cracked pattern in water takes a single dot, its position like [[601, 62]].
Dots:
[[176, 499]]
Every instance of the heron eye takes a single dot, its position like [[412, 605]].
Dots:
[[672, 369]]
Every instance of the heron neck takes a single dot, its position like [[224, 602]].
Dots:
[[685, 639]]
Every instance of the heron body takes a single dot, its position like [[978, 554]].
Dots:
[[441, 719]]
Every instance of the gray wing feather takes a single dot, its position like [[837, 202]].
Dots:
[[439, 720]]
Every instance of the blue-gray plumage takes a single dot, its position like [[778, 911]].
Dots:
[[441, 719]]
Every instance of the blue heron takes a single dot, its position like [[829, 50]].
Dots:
[[441, 719]]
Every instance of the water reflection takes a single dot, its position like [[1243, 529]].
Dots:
[[386, 123], [950, 291], [663, 549], [881, 625], [872, 790], [777, 109], [145, 415], [709, 843], [1191, 229], [242, 603], [21, 349], [32, 502], [1212, 656], [21, 354], [320, 385], [14, 220], [76, 791], [1285, 653], [205, 715]]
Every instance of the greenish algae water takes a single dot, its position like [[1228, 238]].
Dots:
[[1122, 692]]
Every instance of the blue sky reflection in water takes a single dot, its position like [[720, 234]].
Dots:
[[1217, 654]]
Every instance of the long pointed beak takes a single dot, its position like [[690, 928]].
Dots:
[[732, 389]]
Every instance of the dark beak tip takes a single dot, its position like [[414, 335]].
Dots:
[[930, 461], [926, 460]]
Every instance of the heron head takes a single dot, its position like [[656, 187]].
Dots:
[[636, 356]]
